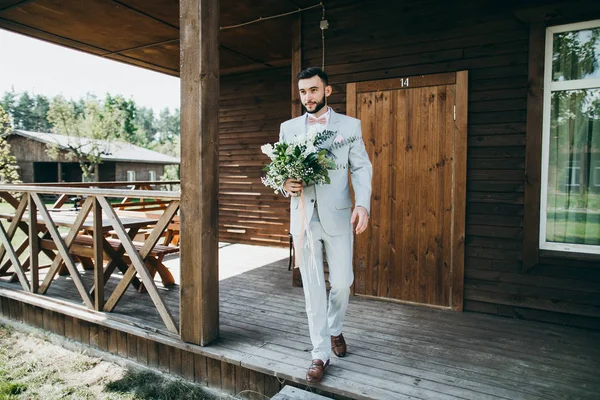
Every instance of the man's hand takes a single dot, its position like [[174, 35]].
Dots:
[[293, 187], [362, 215]]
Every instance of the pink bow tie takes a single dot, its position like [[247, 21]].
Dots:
[[314, 120]]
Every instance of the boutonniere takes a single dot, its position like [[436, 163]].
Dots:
[[340, 142]]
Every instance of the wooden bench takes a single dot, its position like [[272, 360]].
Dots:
[[172, 232], [83, 248]]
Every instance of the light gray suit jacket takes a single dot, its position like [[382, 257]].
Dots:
[[334, 202]]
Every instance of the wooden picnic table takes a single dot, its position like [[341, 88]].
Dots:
[[86, 241], [82, 246], [66, 218], [83, 243]]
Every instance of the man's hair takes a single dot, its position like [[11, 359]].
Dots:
[[314, 71]]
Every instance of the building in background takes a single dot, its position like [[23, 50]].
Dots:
[[124, 161]]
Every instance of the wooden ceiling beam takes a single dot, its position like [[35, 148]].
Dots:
[[45, 35], [143, 13], [74, 44], [142, 63], [144, 46], [21, 3]]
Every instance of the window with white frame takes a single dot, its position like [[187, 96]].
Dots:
[[131, 176], [597, 175], [152, 175], [570, 197]]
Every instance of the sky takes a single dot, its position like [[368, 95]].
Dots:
[[39, 67]]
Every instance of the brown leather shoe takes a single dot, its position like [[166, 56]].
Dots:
[[316, 370], [338, 345]]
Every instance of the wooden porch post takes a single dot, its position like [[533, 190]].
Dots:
[[199, 306]]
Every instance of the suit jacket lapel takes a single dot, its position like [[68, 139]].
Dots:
[[334, 121], [299, 126], [334, 126]]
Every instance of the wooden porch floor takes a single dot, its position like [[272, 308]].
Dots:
[[395, 351]]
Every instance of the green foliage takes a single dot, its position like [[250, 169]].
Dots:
[[146, 124], [139, 125], [128, 112], [574, 54], [303, 159], [9, 171], [27, 112], [115, 118], [97, 123], [167, 127], [4, 122]]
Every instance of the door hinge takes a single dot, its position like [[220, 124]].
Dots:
[[455, 113]]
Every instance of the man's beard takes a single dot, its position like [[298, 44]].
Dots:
[[318, 107]]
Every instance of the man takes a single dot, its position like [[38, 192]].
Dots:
[[327, 211]]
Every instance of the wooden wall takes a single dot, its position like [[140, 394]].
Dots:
[[380, 39], [253, 105], [25, 171], [142, 170], [28, 150]]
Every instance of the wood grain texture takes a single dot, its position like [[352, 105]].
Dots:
[[498, 50], [199, 170], [535, 100], [460, 189], [249, 212], [406, 253], [296, 65]]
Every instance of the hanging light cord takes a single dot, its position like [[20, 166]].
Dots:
[[275, 16], [324, 24]]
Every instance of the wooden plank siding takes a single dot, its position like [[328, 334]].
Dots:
[[377, 40], [253, 105]]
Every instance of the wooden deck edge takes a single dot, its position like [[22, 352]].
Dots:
[[114, 322], [222, 366], [88, 350]]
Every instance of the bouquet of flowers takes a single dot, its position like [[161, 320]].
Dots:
[[303, 159]]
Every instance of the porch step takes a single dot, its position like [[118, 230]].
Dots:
[[293, 393]]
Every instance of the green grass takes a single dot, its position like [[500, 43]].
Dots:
[[8, 388], [573, 226], [33, 368], [590, 201], [147, 385]]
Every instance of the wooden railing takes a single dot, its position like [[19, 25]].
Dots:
[[128, 202], [86, 241]]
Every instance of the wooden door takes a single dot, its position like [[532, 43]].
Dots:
[[414, 129]]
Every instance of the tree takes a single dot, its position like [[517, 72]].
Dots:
[[128, 109], [146, 124], [22, 116], [39, 117], [9, 99], [9, 171], [89, 134], [27, 112], [167, 126]]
